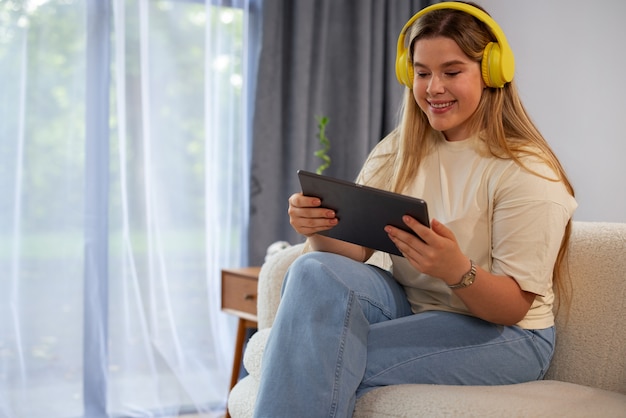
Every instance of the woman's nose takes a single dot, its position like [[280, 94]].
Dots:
[[435, 85]]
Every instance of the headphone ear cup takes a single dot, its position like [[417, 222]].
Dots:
[[409, 75], [404, 71], [491, 66]]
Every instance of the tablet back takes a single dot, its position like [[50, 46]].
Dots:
[[363, 211]]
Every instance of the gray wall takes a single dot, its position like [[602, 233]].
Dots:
[[571, 72]]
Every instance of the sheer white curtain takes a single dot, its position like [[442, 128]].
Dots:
[[124, 176]]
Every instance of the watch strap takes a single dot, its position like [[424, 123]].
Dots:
[[467, 279]]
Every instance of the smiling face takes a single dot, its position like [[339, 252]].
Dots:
[[447, 85]]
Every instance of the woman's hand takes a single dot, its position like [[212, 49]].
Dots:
[[307, 217], [494, 298], [438, 255]]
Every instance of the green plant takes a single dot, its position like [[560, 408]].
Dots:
[[322, 153]]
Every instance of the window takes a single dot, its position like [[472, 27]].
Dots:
[[124, 160]]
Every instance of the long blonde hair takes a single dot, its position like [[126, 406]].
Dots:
[[500, 119]]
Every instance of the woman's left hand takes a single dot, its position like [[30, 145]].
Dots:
[[494, 298], [438, 255]]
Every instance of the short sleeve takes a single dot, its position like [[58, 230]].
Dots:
[[529, 219]]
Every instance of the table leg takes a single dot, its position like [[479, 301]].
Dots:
[[241, 335], [242, 326]]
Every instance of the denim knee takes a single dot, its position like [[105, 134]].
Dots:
[[311, 265]]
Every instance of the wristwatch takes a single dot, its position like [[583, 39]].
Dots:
[[467, 279]]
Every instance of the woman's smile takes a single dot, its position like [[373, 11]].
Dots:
[[441, 107]]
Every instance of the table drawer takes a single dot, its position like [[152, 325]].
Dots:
[[239, 293]]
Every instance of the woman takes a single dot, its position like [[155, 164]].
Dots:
[[472, 303]]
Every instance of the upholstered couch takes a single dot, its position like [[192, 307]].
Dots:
[[587, 377]]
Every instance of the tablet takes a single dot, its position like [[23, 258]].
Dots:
[[363, 211]]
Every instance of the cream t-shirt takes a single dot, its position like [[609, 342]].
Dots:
[[507, 219]]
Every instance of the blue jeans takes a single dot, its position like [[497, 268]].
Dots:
[[344, 328]]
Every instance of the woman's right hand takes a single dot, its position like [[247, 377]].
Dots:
[[307, 217]]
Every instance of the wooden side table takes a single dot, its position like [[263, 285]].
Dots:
[[239, 297]]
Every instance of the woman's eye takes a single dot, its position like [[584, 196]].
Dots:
[[421, 75], [453, 73]]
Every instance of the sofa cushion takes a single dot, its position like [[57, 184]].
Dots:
[[546, 398]]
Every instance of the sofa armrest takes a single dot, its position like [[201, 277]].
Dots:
[[270, 283], [590, 346]]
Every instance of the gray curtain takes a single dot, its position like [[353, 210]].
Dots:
[[319, 58]]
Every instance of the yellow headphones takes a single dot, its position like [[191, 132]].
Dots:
[[498, 63]]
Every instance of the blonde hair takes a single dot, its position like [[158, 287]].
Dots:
[[500, 120]]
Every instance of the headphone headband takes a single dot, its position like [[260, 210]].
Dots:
[[498, 63]]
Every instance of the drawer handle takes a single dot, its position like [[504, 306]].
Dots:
[[249, 296]]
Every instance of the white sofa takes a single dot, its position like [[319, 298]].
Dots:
[[587, 377]]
